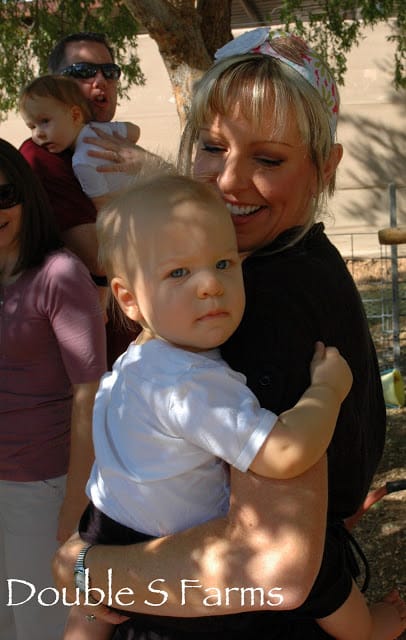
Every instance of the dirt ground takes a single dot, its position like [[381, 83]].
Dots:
[[382, 529], [374, 269]]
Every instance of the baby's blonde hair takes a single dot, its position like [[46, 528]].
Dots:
[[116, 224]]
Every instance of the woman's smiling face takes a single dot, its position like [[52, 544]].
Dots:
[[266, 179]]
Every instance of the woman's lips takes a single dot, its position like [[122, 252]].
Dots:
[[243, 210]]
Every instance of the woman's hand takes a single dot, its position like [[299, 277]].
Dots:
[[63, 569]]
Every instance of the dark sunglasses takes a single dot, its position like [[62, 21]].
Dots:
[[9, 196], [88, 70]]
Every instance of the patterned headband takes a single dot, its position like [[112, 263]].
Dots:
[[309, 64]]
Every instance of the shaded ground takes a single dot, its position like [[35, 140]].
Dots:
[[382, 530]]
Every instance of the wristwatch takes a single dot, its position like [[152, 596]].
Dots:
[[79, 570]]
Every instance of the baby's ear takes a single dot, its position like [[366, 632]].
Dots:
[[77, 114], [126, 299]]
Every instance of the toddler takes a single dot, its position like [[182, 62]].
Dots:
[[59, 117], [172, 415]]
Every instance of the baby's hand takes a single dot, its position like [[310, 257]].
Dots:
[[328, 367]]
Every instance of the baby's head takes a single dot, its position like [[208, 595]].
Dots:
[[168, 246], [55, 110]]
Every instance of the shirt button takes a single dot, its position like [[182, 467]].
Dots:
[[265, 380]]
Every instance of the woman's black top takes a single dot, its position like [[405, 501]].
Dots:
[[295, 296]]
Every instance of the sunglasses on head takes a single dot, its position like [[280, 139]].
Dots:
[[9, 196], [88, 70]]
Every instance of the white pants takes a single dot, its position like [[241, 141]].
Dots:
[[28, 524]]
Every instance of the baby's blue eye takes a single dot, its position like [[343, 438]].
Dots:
[[178, 273], [222, 264]]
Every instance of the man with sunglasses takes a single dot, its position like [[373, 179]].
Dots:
[[88, 58]]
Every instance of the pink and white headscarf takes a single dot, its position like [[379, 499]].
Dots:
[[309, 64]]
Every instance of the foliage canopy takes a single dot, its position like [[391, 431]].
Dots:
[[335, 26], [28, 31]]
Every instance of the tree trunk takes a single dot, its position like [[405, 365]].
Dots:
[[187, 38]]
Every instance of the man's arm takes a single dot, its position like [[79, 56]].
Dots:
[[272, 537], [82, 240]]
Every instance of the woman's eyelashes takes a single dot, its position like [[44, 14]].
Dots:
[[212, 148], [269, 162], [264, 160]]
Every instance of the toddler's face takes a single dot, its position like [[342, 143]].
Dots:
[[189, 284], [53, 125]]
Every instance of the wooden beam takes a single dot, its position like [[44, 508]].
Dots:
[[251, 9], [392, 235]]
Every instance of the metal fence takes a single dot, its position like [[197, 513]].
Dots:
[[380, 274]]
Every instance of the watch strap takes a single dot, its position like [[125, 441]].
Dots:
[[80, 560], [79, 568]]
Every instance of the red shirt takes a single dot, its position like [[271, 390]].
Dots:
[[71, 208], [70, 205]]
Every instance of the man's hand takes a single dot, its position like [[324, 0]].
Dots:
[[122, 155]]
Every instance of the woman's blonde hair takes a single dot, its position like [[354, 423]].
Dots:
[[256, 81]]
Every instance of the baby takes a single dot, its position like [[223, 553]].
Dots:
[[59, 117], [172, 413]]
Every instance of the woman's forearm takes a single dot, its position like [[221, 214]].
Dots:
[[80, 459], [271, 541]]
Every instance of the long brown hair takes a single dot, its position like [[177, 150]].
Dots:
[[39, 234]]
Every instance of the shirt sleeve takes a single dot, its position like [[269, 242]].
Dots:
[[94, 183], [72, 304], [216, 411]]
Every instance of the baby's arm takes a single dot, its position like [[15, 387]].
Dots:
[[101, 201], [133, 132], [302, 434]]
